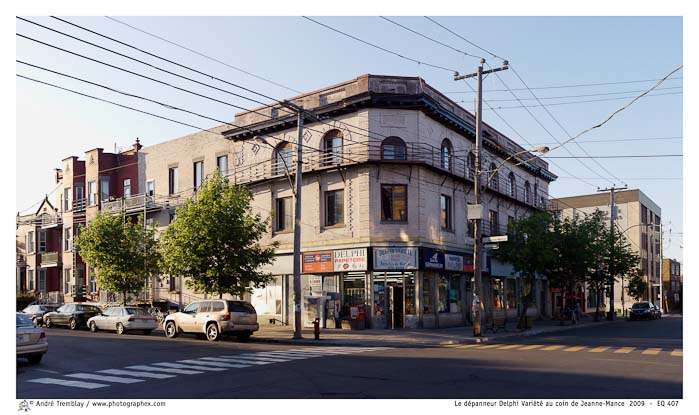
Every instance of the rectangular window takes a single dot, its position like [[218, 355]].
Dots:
[[446, 215], [127, 187], [222, 163], [66, 237], [493, 219], [30, 242], [198, 174], [104, 188], [443, 295], [284, 222], [42, 280], [67, 205], [427, 304], [150, 188], [91, 193], [30, 280], [66, 281], [394, 203], [173, 180], [334, 207], [42, 241]]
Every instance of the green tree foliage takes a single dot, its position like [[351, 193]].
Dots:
[[637, 286], [214, 240], [529, 249], [124, 253]]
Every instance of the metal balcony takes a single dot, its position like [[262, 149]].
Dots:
[[48, 221], [49, 259]]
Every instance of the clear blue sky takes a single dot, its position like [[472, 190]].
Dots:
[[546, 51]]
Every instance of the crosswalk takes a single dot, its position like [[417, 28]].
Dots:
[[651, 351], [165, 370]]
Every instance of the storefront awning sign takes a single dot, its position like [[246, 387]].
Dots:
[[453, 262], [468, 263], [395, 258], [317, 262], [432, 259], [350, 260]]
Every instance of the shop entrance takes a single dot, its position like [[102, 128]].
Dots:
[[395, 305]]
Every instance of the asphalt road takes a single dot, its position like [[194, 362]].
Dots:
[[619, 361]]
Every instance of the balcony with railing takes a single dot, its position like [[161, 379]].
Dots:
[[49, 221], [79, 205], [135, 203], [49, 259]]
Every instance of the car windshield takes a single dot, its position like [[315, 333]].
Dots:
[[24, 320], [641, 305], [241, 307], [137, 312], [89, 308]]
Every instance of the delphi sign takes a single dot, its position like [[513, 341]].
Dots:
[[350, 260]]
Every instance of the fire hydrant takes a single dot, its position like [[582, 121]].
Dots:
[[316, 328]]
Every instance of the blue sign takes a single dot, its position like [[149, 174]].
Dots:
[[432, 259]]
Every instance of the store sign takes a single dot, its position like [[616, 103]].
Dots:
[[395, 258], [468, 263], [315, 281], [318, 262], [453, 262], [350, 260], [432, 259]]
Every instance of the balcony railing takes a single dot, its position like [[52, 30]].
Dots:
[[49, 259], [131, 203], [49, 221], [414, 153], [79, 205]]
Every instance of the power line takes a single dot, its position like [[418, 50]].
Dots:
[[379, 47], [580, 96], [632, 178], [610, 140], [202, 55], [463, 38], [579, 101], [567, 86], [429, 38], [614, 156]]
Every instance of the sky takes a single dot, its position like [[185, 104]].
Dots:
[[550, 54]]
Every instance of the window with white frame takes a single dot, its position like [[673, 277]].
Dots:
[[66, 238], [222, 163], [150, 188], [198, 174], [42, 280], [92, 193], [30, 242], [104, 188], [127, 187], [66, 281], [66, 199], [334, 207], [446, 154], [30, 280], [42, 241], [173, 180]]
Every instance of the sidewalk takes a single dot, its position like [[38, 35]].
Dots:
[[410, 337]]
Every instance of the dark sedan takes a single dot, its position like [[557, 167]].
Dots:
[[643, 310], [72, 315], [36, 312]]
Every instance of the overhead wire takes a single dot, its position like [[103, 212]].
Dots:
[[567, 86]]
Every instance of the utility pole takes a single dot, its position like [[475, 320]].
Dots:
[[477, 230], [611, 315], [297, 228]]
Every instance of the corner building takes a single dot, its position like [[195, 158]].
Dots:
[[387, 173]]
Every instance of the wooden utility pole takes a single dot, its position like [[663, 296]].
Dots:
[[611, 315]]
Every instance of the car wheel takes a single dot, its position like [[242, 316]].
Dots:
[[72, 324], [119, 328], [93, 326], [48, 322], [170, 329], [147, 332], [35, 358], [212, 333]]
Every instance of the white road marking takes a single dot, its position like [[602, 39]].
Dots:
[[136, 374], [676, 352], [166, 370], [598, 349], [215, 364], [278, 356], [263, 358], [625, 350], [652, 350], [180, 366], [104, 378], [574, 349], [71, 383], [555, 347], [531, 347], [243, 361]]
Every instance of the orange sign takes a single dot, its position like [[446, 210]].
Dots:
[[317, 262]]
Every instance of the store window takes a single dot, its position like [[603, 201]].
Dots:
[[394, 203], [379, 296], [427, 302], [455, 305], [510, 293], [354, 292], [443, 295], [498, 294], [410, 294]]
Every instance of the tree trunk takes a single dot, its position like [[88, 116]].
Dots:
[[597, 305], [123, 293]]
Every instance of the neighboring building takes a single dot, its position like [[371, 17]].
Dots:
[[639, 219], [672, 285], [385, 239]]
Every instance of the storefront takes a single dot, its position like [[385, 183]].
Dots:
[[444, 287], [393, 294]]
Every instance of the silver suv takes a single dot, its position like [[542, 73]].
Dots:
[[212, 318]]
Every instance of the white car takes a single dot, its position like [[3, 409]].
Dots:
[[122, 319], [31, 340], [212, 318]]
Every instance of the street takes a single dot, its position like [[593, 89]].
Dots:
[[623, 360]]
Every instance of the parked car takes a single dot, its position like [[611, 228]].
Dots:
[[31, 340], [36, 312], [213, 318], [73, 315], [122, 319], [658, 311], [643, 310]]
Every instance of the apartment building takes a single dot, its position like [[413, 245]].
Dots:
[[638, 218], [672, 285], [388, 170]]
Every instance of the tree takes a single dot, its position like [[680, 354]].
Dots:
[[529, 249], [214, 240], [123, 253], [637, 286]]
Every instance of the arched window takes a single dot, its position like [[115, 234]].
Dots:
[[283, 158], [527, 192], [493, 182], [511, 188], [471, 165], [446, 154], [332, 148], [393, 148]]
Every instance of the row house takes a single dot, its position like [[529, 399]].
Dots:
[[672, 285], [388, 169], [638, 218]]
